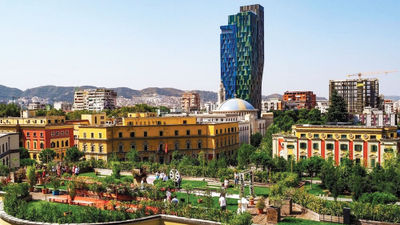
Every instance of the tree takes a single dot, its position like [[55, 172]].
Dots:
[[47, 155], [244, 153], [337, 111], [31, 176], [133, 156], [9, 110], [313, 166], [73, 154], [255, 139], [23, 153]]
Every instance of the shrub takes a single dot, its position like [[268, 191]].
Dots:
[[31, 175], [378, 198], [242, 219], [116, 170], [261, 203]]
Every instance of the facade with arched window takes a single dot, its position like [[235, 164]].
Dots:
[[9, 150]]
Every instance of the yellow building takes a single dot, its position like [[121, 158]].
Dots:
[[155, 138], [95, 118], [365, 145]]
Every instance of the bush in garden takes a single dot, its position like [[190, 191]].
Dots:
[[378, 198], [31, 175], [242, 219], [116, 170]]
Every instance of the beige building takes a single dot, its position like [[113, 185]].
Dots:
[[95, 99], [190, 102], [9, 150]]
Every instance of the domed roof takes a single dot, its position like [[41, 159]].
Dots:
[[235, 104]]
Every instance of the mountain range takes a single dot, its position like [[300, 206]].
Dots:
[[66, 93], [62, 93]]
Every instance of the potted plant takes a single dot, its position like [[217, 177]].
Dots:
[[31, 176], [261, 205], [251, 200], [56, 184]]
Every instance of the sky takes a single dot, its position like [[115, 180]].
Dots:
[[159, 43]]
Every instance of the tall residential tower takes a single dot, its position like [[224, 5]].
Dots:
[[242, 54]]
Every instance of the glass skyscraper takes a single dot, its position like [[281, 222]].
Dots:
[[242, 55]]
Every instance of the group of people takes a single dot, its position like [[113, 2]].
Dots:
[[171, 199], [162, 176], [60, 169]]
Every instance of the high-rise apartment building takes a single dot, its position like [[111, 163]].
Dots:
[[242, 55], [190, 102], [94, 99], [357, 93], [300, 99]]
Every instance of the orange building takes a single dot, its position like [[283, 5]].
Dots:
[[300, 99], [190, 102]]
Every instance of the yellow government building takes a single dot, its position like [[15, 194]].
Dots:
[[156, 138]]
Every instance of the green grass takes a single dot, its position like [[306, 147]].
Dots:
[[232, 204], [309, 178], [259, 191], [195, 183], [88, 174], [315, 190], [289, 221], [63, 207]]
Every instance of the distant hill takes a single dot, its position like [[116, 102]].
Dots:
[[393, 97], [66, 93], [272, 96]]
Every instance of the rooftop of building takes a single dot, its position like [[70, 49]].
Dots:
[[235, 104], [343, 126], [355, 80]]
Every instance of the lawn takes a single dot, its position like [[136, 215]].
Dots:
[[289, 221], [63, 207], [232, 204], [259, 191], [316, 189], [100, 178]]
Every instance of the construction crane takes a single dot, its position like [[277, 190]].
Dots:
[[370, 73]]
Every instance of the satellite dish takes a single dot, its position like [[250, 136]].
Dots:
[[174, 175]]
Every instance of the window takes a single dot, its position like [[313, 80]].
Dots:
[[187, 132], [373, 136], [303, 157], [100, 135], [358, 161], [132, 134], [101, 148], [120, 134], [329, 146], [316, 135], [92, 147], [41, 145], [358, 136], [53, 145], [388, 150], [199, 132], [84, 134], [34, 134], [145, 147], [28, 134], [358, 148], [315, 146], [343, 147], [58, 144], [133, 146], [145, 133], [34, 145], [176, 145], [161, 133], [62, 143], [372, 162], [343, 136], [176, 132], [66, 143], [216, 131], [84, 147], [187, 144], [160, 147], [374, 148], [290, 146], [184, 122], [329, 136], [303, 145], [92, 135], [302, 135], [121, 147], [199, 145], [41, 134]]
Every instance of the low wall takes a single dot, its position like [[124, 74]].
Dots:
[[149, 220], [108, 172]]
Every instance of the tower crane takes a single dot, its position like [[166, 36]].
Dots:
[[370, 73]]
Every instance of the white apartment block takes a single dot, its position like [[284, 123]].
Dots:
[[94, 99]]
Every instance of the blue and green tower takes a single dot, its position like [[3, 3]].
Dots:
[[242, 55]]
